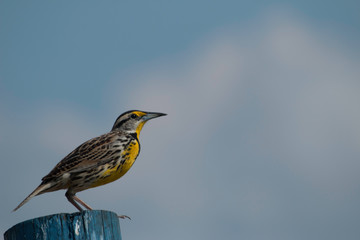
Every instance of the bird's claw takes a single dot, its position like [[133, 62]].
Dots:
[[124, 216]]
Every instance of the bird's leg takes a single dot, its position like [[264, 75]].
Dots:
[[76, 198], [81, 202], [70, 198]]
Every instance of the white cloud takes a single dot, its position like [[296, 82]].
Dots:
[[300, 95]]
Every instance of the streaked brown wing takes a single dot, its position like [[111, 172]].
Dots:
[[89, 154]]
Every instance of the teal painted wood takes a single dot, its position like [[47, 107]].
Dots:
[[96, 224]]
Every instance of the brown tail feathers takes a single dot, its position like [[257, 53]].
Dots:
[[37, 191]]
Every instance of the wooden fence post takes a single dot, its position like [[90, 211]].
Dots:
[[96, 224]]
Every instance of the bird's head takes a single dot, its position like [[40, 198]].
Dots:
[[133, 121]]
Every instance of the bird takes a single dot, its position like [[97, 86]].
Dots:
[[98, 161]]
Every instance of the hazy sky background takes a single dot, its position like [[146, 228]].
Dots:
[[262, 135]]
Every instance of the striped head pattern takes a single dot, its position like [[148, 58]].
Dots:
[[133, 121]]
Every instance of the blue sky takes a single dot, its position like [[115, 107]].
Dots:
[[261, 140]]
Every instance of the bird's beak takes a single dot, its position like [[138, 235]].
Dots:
[[151, 115]]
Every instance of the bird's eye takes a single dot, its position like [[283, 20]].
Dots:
[[133, 116]]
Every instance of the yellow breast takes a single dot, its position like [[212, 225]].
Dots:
[[127, 159]]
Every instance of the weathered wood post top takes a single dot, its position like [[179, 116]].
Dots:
[[95, 224]]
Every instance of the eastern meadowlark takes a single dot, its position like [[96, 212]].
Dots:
[[98, 161]]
